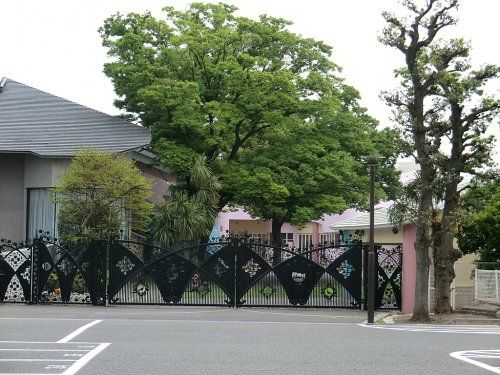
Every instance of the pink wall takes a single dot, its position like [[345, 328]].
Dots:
[[409, 269], [324, 223]]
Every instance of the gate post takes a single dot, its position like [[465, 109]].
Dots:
[[34, 273], [105, 261], [236, 244]]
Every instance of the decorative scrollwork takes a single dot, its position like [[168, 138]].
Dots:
[[345, 269], [66, 266], [141, 289], [329, 291], [125, 265], [267, 291], [26, 275], [15, 259], [221, 267], [251, 267]]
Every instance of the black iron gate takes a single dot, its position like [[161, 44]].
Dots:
[[228, 272], [389, 268], [236, 272]]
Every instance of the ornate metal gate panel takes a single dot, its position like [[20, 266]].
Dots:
[[69, 274], [230, 272], [234, 272], [15, 272], [141, 273], [326, 276], [389, 271]]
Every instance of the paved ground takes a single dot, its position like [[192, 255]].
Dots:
[[178, 340]]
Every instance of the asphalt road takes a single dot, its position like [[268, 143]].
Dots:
[[180, 340]]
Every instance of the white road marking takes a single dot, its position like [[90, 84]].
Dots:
[[85, 359], [484, 330], [44, 350], [307, 315], [225, 321], [65, 365], [164, 312], [35, 360], [72, 335], [11, 318], [470, 355]]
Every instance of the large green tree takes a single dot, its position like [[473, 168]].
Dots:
[[209, 82]]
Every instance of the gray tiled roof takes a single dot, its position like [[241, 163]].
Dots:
[[35, 121]]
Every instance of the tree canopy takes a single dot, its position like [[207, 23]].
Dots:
[[98, 193], [209, 82], [478, 222]]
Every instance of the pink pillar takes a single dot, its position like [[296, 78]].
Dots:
[[315, 233], [409, 269]]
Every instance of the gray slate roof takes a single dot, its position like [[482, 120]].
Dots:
[[37, 122]]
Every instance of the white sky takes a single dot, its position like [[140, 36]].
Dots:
[[54, 45]]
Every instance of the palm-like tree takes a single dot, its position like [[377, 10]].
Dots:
[[189, 214]]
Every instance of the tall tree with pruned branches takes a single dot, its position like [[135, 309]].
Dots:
[[437, 107]]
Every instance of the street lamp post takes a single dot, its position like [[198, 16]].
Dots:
[[371, 251], [372, 161]]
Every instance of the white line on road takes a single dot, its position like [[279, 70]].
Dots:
[[44, 350], [485, 330], [163, 312], [72, 335], [86, 358], [224, 321], [35, 360], [11, 318], [307, 315], [467, 356]]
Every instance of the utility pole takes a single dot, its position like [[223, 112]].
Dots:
[[372, 161]]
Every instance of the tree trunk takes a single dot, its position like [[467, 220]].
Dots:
[[276, 240], [445, 255], [423, 239], [422, 244]]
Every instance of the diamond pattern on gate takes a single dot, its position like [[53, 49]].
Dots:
[[15, 259], [14, 291]]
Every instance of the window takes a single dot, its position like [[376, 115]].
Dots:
[[42, 213], [329, 238], [258, 236], [305, 241], [287, 239]]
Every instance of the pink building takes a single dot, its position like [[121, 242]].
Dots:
[[318, 231]]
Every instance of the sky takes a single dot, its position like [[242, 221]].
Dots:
[[54, 45]]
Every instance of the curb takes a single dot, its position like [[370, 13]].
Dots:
[[382, 318]]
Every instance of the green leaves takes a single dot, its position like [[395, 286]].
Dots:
[[99, 192], [478, 221], [265, 106], [190, 211], [209, 80]]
